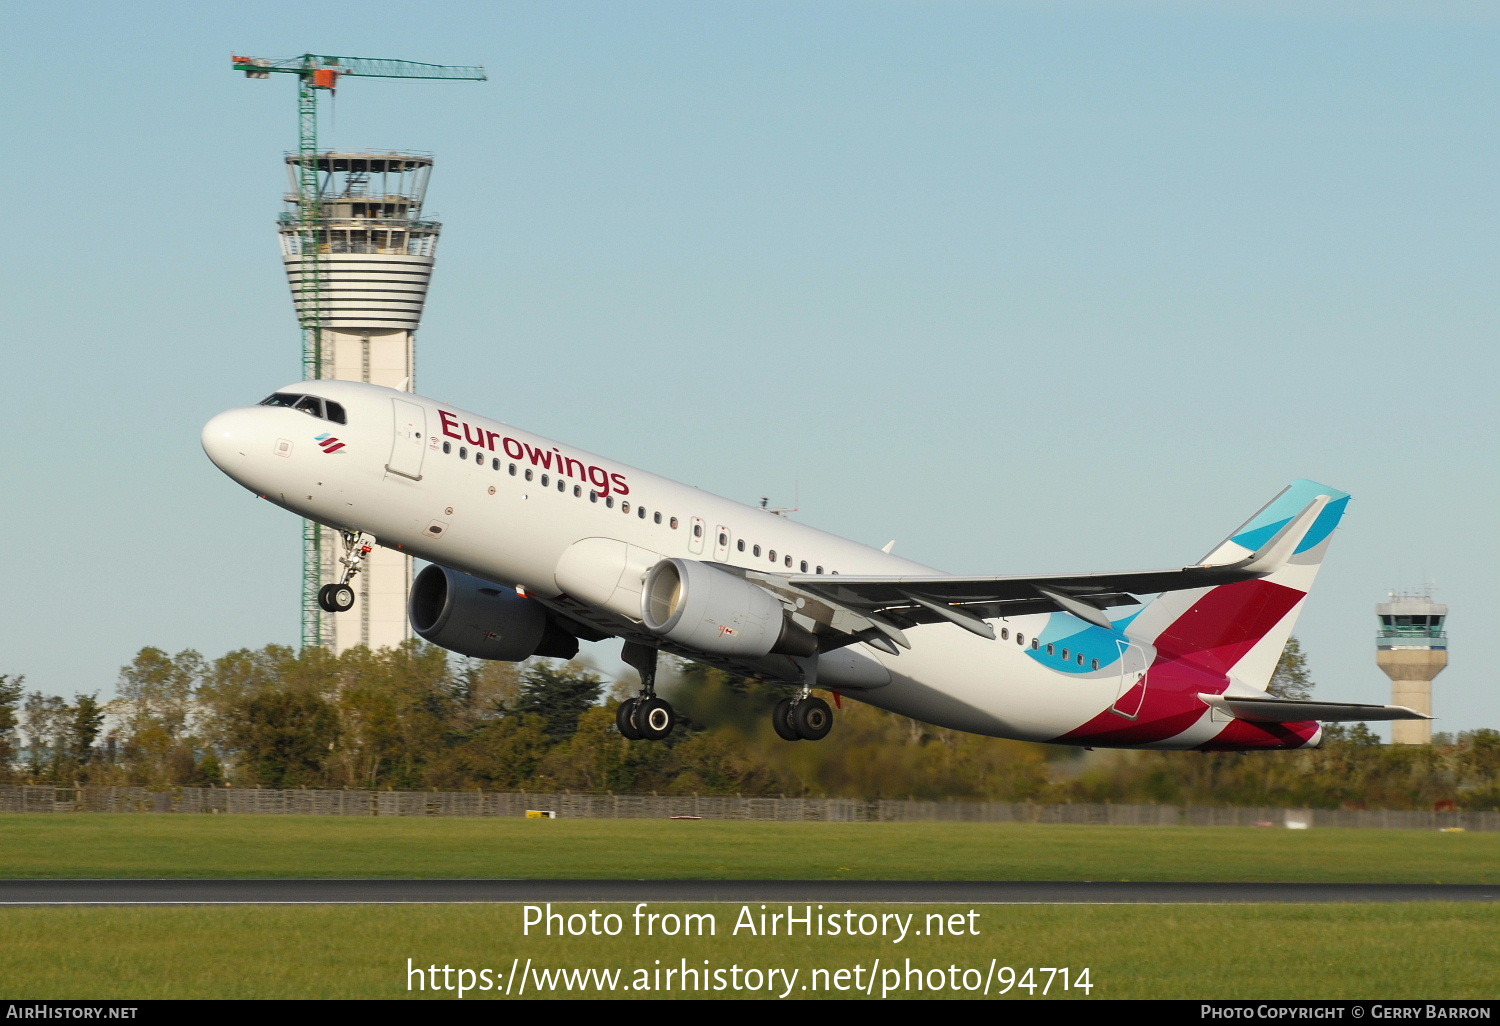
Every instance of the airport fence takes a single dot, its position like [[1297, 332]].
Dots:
[[307, 802]]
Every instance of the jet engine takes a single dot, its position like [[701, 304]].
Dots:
[[705, 608], [475, 617]]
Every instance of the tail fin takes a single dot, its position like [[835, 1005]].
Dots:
[[1240, 629]]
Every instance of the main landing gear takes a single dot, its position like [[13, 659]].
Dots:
[[339, 597], [803, 717], [645, 717]]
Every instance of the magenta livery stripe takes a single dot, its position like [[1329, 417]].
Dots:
[[1226, 623]]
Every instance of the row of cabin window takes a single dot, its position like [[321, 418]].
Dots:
[[1051, 649], [609, 502]]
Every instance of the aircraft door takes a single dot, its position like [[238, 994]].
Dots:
[[721, 543], [695, 537], [1131, 696], [408, 443]]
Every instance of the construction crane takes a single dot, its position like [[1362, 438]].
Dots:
[[317, 73]]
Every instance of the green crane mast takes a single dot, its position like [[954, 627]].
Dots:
[[315, 73]]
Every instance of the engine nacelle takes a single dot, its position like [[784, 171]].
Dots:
[[475, 617], [704, 608]]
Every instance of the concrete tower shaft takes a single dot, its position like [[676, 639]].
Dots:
[[364, 287], [1412, 648]]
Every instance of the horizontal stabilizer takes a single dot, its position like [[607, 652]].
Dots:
[[1288, 710]]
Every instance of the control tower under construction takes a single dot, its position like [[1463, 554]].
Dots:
[[362, 291]]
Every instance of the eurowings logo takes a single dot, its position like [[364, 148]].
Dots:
[[328, 443]]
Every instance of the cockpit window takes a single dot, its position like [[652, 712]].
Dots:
[[320, 408], [310, 404]]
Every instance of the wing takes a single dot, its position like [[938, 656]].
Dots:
[[877, 609]]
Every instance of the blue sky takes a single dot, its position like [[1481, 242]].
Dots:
[[1025, 286]]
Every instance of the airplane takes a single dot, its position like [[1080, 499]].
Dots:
[[534, 545]]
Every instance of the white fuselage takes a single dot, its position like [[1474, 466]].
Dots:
[[578, 531]]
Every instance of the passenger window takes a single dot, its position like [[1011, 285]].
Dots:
[[609, 502], [788, 562], [804, 566], [495, 463], [1080, 658], [463, 452], [1096, 664], [1035, 644], [1050, 649], [562, 485], [640, 512], [512, 470], [1004, 633], [723, 538], [593, 496], [1065, 655], [578, 491], [625, 506], [819, 570], [740, 545], [479, 457], [447, 447], [656, 517], [528, 473], [335, 412], [773, 555], [674, 523], [1020, 639], [756, 550], [697, 530], [544, 480]]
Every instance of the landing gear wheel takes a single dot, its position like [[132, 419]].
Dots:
[[654, 718], [625, 719], [781, 721], [335, 598], [812, 719]]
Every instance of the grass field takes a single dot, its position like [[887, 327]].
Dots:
[[1240, 951], [94, 845], [1427, 950]]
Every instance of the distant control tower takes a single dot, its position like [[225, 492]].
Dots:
[[1412, 649], [364, 289]]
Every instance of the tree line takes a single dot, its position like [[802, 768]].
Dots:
[[412, 718]]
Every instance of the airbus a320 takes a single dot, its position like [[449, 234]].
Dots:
[[534, 545]]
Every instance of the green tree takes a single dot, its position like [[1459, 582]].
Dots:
[[559, 694], [1291, 678], [284, 738], [11, 690], [44, 727], [85, 721], [158, 692]]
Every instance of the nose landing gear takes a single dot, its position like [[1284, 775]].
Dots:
[[339, 597]]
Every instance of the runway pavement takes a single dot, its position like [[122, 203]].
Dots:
[[259, 892]]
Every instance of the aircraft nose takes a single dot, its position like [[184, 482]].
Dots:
[[229, 438]]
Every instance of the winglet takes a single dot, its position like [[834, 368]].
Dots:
[[1271, 556]]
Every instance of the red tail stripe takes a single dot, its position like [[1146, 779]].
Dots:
[[1226, 623]]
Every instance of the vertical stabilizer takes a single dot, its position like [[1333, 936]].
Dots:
[[1240, 629]]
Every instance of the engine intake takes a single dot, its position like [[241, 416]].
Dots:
[[475, 617], [704, 608]]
